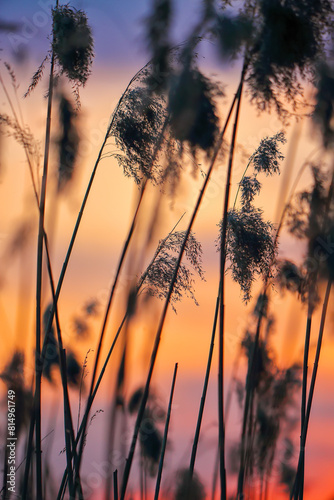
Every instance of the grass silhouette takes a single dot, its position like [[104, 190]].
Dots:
[[169, 118]]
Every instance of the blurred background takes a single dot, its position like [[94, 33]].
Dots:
[[120, 51]]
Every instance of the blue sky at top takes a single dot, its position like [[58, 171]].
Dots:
[[118, 27]]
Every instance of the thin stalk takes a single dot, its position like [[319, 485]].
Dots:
[[91, 399], [141, 473], [223, 241], [256, 340], [118, 393], [62, 372], [29, 455], [41, 356], [103, 369], [67, 425], [29, 451], [280, 225], [68, 421], [141, 282], [306, 349], [164, 313], [38, 373], [115, 485], [164, 441], [249, 457], [276, 237], [304, 384], [205, 388], [227, 414], [105, 320], [248, 401], [106, 316], [84, 202], [83, 371], [295, 490], [304, 390], [51, 280]]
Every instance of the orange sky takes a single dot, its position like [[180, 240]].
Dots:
[[186, 336]]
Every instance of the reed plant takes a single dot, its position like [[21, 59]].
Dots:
[[173, 121]]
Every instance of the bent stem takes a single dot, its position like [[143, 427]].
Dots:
[[164, 313]]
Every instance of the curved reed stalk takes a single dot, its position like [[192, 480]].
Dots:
[[164, 313]]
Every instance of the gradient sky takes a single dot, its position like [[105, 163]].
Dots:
[[120, 52]]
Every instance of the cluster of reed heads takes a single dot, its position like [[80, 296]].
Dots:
[[173, 120]]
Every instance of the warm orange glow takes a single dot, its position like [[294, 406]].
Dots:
[[186, 336]]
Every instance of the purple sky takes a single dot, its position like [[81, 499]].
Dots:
[[118, 27]]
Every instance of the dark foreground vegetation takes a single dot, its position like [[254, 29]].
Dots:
[[172, 121]]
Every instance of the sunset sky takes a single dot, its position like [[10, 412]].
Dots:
[[120, 51]]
